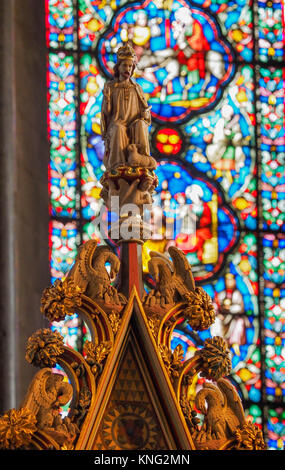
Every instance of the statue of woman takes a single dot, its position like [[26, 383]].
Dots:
[[125, 114]]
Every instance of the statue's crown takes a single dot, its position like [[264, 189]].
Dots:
[[126, 52]]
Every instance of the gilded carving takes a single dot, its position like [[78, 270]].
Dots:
[[60, 299], [172, 360], [79, 369], [249, 437], [115, 321], [83, 404], [174, 284], [46, 394], [189, 413], [95, 354], [200, 312], [223, 412], [128, 414], [154, 323], [44, 347], [215, 358], [90, 274], [17, 428]]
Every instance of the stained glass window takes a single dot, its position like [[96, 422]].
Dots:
[[213, 72]]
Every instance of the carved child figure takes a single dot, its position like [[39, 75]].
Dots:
[[125, 115]]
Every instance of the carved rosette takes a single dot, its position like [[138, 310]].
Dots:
[[44, 347], [199, 312], [215, 358], [60, 299]]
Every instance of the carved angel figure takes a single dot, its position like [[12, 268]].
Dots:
[[89, 272], [46, 394], [223, 411]]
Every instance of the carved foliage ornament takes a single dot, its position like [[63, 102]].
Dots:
[[215, 358], [60, 299], [95, 354], [200, 311], [44, 347], [17, 428], [249, 437], [172, 360]]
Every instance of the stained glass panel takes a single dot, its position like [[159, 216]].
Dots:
[[62, 134], [213, 72], [274, 324], [63, 247], [60, 24], [272, 146], [92, 146], [271, 30], [276, 428]]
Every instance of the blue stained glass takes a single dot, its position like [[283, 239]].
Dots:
[[254, 395]]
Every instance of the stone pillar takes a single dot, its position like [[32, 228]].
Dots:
[[24, 155]]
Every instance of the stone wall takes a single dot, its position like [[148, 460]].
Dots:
[[24, 157]]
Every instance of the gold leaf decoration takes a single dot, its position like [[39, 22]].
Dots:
[[189, 413], [154, 323], [60, 299], [249, 437], [172, 361], [215, 356], [95, 354], [44, 347], [17, 428], [200, 311], [83, 404], [115, 321]]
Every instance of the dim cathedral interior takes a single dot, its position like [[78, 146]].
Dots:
[[161, 329]]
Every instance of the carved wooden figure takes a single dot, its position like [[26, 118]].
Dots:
[[125, 116]]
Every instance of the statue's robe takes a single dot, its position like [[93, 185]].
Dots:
[[125, 119]]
